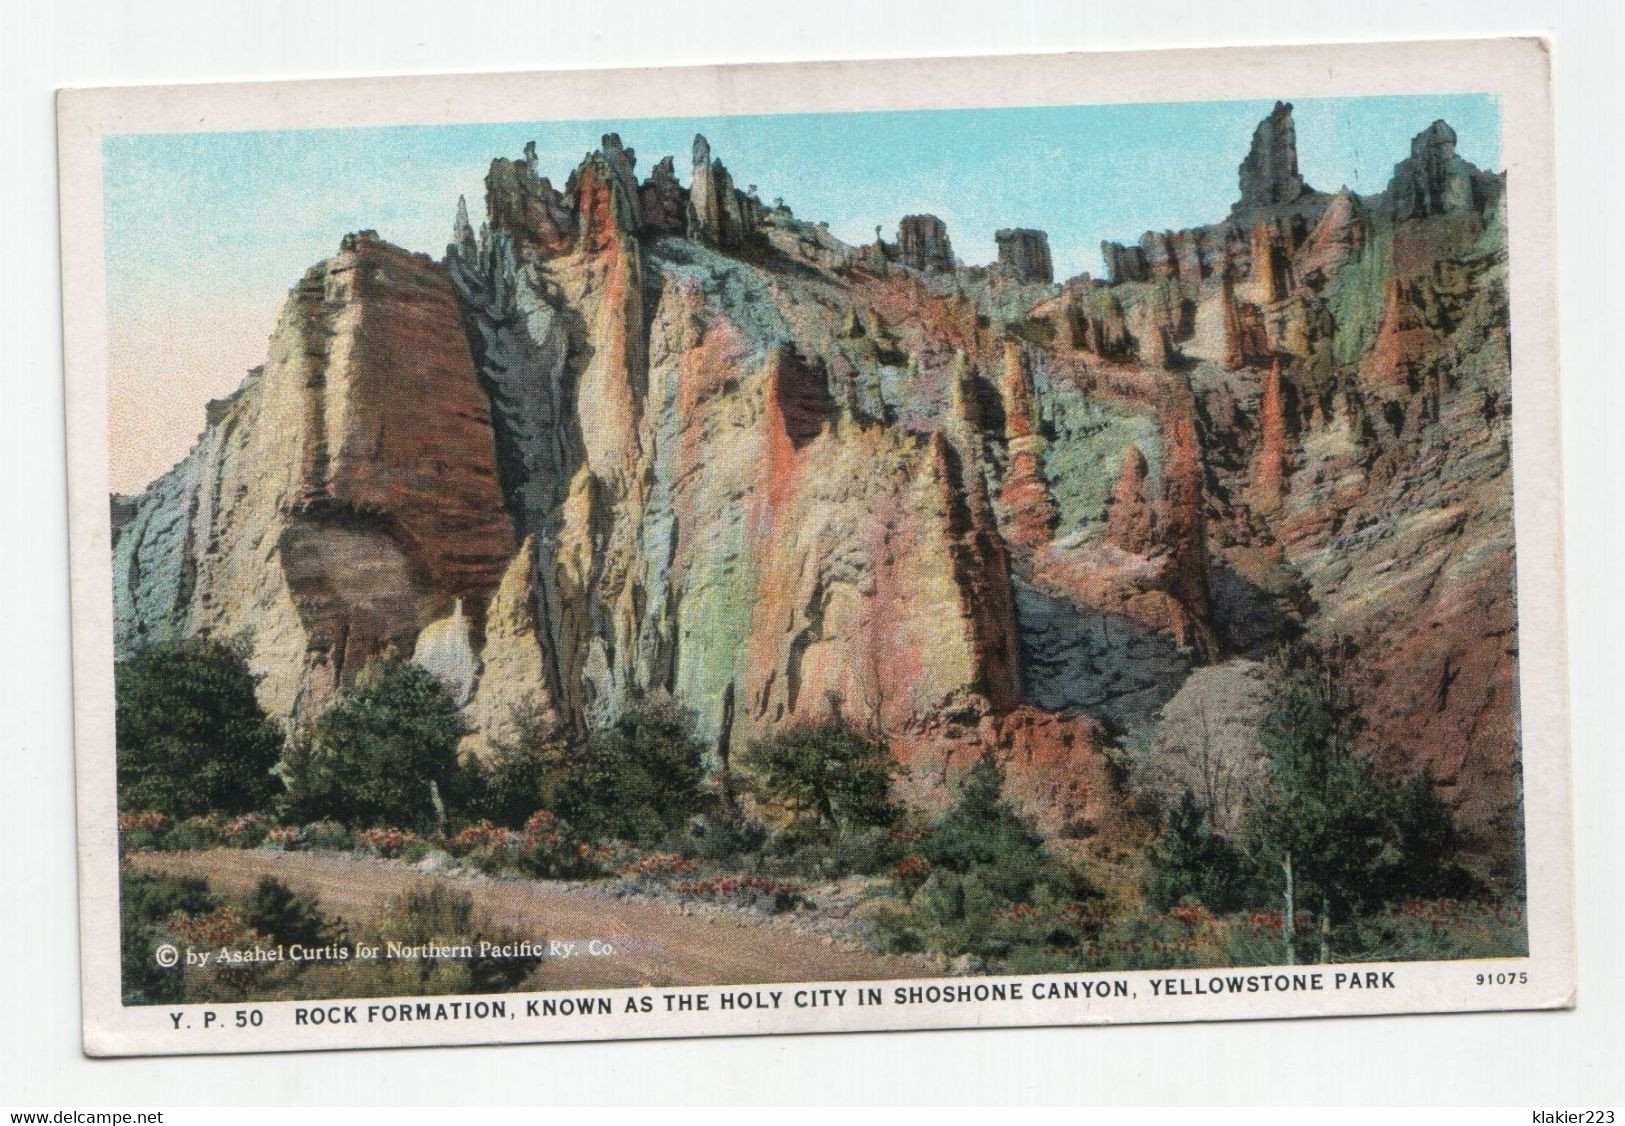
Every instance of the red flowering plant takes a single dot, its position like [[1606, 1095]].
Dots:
[[388, 843], [658, 867], [488, 847], [547, 849], [542, 827], [910, 874], [142, 829], [246, 830]]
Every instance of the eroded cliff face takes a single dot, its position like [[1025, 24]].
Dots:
[[640, 440], [345, 497]]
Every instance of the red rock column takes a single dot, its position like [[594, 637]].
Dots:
[[1130, 524], [1269, 475]]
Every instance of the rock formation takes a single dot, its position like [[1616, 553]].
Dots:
[[343, 499], [1024, 254], [634, 442], [1434, 180], [1124, 263], [1131, 524], [664, 201], [1335, 241], [1269, 175], [1270, 470], [718, 215], [922, 243], [1402, 344], [1025, 494]]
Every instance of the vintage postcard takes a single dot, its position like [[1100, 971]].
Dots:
[[1063, 539]]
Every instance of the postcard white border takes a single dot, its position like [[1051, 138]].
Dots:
[[1514, 70]]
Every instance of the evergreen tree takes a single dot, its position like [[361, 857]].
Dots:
[[830, 774], [191, 736], [1192, 862], [1343, 838], [385, 754]]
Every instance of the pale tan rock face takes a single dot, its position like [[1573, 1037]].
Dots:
[[512, 697], [446, 651], [348, 491]]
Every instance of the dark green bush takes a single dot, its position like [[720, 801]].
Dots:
[[984, 836], [385, 754], [829, 774], [1190, 863], [975, 873], [639, 779], [145, 902], [509, 788], [274, 910], [191, 736], [720, 836], [825, 852]]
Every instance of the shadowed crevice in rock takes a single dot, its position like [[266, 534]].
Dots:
[[1249, 619], [1101, 663]]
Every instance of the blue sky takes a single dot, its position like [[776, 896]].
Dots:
[[205, 232]]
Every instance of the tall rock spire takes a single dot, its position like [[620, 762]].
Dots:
[[1017, 393], [1435, 180], [1130, 524], [462, 231], [717, 214], [964, 404], [1269, 176]]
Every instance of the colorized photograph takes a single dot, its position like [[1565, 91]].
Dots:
[[572, 577]]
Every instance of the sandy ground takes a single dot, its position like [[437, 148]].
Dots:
[[653, 944]]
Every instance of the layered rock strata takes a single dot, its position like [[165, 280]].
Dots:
[[654, 441]]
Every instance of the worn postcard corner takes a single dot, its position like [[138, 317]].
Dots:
[[1057, 539]]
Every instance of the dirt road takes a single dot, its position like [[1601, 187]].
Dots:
[[654, 944]]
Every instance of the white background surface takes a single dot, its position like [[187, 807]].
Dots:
[[1551, 1059]]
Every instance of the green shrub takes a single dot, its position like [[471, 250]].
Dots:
[[720, 836], [1436, 930], [205, 830], [983, 835], [826, 852], [274, 910], [639, 779], [191, 736], [436, 913], [324, 835], [1190, 863], [510, 787], [982, 876], [384, 754], [145, 904], [829, 774]]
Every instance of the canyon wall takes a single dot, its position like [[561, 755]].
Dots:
[[632, 440]]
